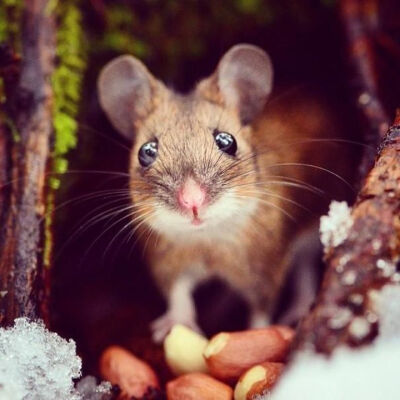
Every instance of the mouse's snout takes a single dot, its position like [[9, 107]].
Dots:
[[191, 196]]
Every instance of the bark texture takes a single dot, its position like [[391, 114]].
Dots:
[[369, 257], [365, 261], [29, 105]]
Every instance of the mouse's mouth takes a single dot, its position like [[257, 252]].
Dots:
[[196, 220], [194, 216]]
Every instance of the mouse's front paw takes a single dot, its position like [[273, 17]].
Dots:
[[161, 326]]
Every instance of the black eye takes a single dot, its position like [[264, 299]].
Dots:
[[225, 142], [148, 153]]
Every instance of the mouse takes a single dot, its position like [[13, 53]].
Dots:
[[224, 180]]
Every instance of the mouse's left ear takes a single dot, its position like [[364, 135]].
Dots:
[[127, 93], [242, 81]]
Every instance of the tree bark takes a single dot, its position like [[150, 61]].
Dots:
[[29, 104], [367, 260], [369, 257]]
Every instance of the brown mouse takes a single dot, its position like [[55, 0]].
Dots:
[[222, 182]]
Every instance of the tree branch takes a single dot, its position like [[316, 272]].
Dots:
[[366, 260], [357, 16]]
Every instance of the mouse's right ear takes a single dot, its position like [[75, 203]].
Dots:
[[127, 93], [242, 81]]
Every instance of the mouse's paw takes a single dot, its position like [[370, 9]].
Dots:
[[259, 319], [161, 326]]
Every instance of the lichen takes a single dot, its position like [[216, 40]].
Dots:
[[71, 51]]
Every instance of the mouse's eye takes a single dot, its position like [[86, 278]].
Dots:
[[148, 153], [225, 142]]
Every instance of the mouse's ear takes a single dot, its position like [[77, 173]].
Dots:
[[127, 92], [242, 81]]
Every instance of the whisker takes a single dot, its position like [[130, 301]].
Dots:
[[270, 204], [130, 223], [295, 183], [277, 196], [108, 229], [80, 229], [151, 232], [120, 193], [104, 135], [315, 167]]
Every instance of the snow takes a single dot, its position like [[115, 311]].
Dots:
[[335, 226], [89, 390], [36, 364], [387, 306], [368, 373]]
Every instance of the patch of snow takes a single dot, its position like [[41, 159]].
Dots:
[[386, 304], [365, 374], [368, 373], [36, 364], [335, 226]]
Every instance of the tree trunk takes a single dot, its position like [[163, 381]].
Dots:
[[29, 105]]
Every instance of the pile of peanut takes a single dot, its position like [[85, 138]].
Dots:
[[234, 365]]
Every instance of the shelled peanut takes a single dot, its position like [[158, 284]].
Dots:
[[254, 356], [183, 349], [229, 355], [257, 379], [134, 376], [250, 359], [196, 386]]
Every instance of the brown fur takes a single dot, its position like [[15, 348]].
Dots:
[[250, 255], [254, 262]]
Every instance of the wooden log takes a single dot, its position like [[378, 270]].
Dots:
[[30, 107], [366, 260]]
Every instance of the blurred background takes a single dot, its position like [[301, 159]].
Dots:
[[102, 293]]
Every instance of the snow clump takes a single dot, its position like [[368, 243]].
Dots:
[[367, 373], [36, 364], [335, 226]]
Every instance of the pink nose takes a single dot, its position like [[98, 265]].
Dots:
[[191, 196]]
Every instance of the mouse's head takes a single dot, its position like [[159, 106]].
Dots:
[[192, 163]]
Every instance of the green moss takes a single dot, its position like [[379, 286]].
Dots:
[[71, 51], [67, 77], [10, 13]]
